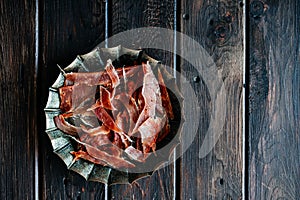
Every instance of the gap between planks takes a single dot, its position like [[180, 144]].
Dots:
[[36, 62]]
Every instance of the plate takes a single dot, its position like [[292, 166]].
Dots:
[[63, 144]]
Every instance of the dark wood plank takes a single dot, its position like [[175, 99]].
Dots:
[[126, 15], [17, 102], [68, 28], [218, 27], [274, 115], [131, 15]]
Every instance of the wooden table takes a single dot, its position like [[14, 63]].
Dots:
[[255, 45]]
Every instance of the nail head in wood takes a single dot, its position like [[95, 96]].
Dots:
[[196, 79], [185, 16], [241, 4], [256, 9]]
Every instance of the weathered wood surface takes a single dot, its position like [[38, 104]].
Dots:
[[217, 26], [126, 15], [274, 113], [17, 100], [68, 28]]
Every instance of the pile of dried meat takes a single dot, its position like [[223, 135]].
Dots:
[[117, 116]]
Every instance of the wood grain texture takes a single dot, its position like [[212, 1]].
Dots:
[[274, 115], [126, 15], [137, 14], [17, 102], [217, 26], [68, 28], [72, 27]]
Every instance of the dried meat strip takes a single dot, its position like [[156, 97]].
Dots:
[[100, 130], [97, 78], [84, 155], [164, 131], [166, 102], [122, 120], [151, 95], [149, 131], [113, 74], [72, 96], [107, 120], [66, 127], [88, 78], [114, 161], [132, 106], [105, 98], [136, 154]]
